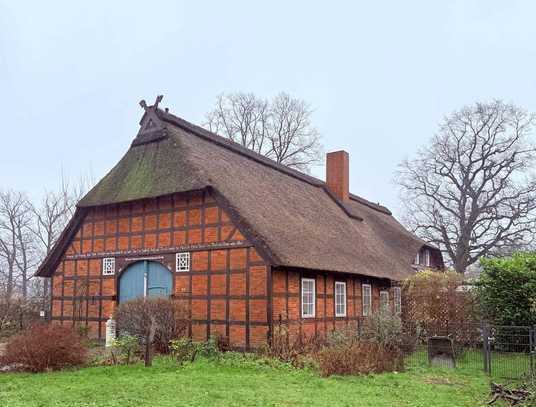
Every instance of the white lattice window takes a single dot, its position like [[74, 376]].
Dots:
[[308, 297], [340, 299], [367, 300], [384, 300], [183, 262], [108, 266], [398, 300]]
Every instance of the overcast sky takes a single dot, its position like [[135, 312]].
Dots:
[[380, 75]]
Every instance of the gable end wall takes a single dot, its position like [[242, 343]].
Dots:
[[226, 289]]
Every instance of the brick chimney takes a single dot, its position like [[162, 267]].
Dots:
[[338, 174]]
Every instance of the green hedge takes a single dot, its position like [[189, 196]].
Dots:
[[507, 289]]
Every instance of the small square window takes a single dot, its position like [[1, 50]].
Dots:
[[108, 266], [183, 262]]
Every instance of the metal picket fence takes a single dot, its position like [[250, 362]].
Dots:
[[500, 351]]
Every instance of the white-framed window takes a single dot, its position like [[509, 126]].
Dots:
[[183, 261], [384, 300], [308, 297], [367, 299], [417, 258], [427, 260], [108, 266], [340, 299], [398, 300]]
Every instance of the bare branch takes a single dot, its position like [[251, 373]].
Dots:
[[280, 129], [471, 191]]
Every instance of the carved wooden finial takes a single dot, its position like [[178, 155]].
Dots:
[[151, 126], [158, 100], [143, 103]]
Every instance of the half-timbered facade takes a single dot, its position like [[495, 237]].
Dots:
[[242, 242]]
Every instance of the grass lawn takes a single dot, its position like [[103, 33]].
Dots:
[[209, 383]]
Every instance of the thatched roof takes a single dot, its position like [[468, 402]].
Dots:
[[292, 215]]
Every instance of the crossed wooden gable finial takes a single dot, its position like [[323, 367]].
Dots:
[[151, 127], [153, 107]]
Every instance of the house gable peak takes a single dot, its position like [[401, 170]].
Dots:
[[151, 127]]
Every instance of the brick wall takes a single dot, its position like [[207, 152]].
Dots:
[[286, 307], [225, 289]]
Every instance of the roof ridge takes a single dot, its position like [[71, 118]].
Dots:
[[371, 205], [238, 148], [225, 142]]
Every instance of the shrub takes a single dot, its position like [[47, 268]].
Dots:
[[45, 347], [17, 314], [435, 303], [507, 289], [184, 350], [291, 349], [358, 358], [126, 346], [384, 328], [210, 349], [154, 321], [343, 336]]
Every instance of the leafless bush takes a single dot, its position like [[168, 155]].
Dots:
[[17, 314], [292, 348], [154, 321], [358, 358], [45, 347]]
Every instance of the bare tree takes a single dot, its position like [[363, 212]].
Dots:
[[470, 191], [15, 243], [280, 129], [49, 218]]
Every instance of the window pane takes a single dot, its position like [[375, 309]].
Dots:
[[367, 299], [384, 300], [308, 298], [340, 299]]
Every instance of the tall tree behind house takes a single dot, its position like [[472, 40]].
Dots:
[[471, 190], [280, 128]]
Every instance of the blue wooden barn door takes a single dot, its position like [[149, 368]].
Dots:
[[132, 282], [145, 279], [159, 280]]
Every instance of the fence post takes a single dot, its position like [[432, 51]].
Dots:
[[532, 332], [486, 348]]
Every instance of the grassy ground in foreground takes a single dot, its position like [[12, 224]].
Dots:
[[209, 383]]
